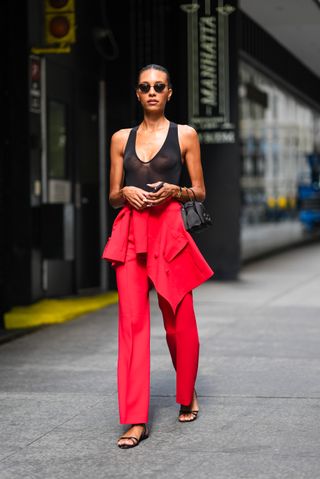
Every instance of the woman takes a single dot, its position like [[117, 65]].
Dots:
[[149, 245]]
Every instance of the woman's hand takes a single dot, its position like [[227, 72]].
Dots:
[[166, 191], [135, 196]]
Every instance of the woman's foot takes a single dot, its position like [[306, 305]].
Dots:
[[133, 436], [189, 413]]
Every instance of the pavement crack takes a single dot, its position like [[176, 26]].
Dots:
[[241, 396], [48, 432]]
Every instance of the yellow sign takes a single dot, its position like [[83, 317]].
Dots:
[[60, 23]]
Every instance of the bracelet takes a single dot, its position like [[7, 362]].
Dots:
[[179, 193]]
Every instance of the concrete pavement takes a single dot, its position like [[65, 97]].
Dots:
[[258, 387]]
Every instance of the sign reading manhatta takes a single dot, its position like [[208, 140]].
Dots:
[[208, 70]]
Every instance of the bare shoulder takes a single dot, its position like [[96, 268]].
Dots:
[[187, 133], [119, 140], [120, 137], [188, 137]]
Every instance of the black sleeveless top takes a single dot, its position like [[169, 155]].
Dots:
[[166, 165]]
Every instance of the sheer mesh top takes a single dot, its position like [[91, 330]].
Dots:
[[165, 166]]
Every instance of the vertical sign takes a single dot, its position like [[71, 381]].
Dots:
[[208, 70], [34, 84]]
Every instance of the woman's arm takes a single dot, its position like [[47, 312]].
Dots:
[[191, 147], [118, 194], [118, 139]]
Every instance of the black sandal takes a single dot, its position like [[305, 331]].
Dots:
[[187, 410], [135, 440]]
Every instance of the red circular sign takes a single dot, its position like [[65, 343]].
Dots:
[[59, 27], [58, 3]]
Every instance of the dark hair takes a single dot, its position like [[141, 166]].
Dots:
[[154, 66]]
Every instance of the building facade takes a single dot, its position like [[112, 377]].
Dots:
[[255, 119]]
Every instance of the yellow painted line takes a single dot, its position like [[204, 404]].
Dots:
[[50, 311]]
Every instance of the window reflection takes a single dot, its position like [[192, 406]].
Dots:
[[276, 133]]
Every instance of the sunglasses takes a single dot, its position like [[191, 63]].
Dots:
[[158, 87]]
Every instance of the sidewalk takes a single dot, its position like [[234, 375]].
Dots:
[[258, 387], [261, 239]]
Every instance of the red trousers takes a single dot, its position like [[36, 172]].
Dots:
[[133, 372]]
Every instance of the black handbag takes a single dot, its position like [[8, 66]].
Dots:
[[194, 215]]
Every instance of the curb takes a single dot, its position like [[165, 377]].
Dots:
[[52, 311]]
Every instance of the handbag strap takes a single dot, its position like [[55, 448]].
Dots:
[[194, 195]]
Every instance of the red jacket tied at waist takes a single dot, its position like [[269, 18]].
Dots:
[[174, 262]]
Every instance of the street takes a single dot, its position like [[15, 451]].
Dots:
[[258, 387]]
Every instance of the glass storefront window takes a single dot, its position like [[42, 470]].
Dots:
[[277, 131]]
